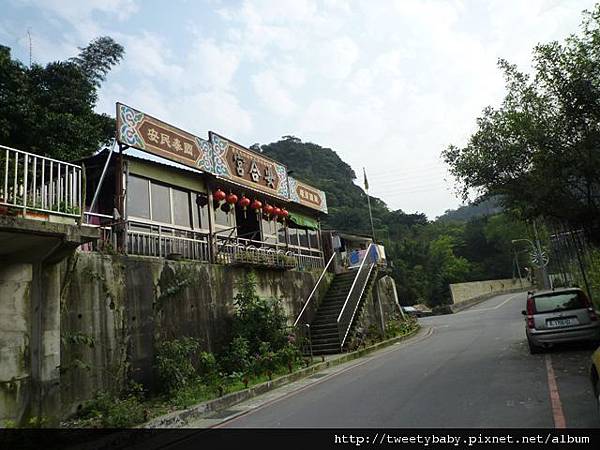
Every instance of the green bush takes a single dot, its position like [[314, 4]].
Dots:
[[106, 411], [258, 320], [175, 363]]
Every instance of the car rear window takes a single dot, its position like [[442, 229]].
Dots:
[[560, 302]]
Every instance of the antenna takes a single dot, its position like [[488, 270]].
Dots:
[[30, 46]]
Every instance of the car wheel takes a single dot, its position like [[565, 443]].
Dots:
[[533, 349]]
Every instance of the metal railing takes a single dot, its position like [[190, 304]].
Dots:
[[38, 183], [165, 241], [305, 320], [363, 274], [238, 250]]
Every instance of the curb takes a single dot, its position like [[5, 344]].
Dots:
[[178, 419]]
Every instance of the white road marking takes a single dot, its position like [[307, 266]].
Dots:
[[495, 307]]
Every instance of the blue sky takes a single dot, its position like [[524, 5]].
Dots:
[[387, 84]]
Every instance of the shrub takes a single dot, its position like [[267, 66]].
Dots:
[[107, 411], [175, 363]]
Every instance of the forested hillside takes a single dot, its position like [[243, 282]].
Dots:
[[471, 243]]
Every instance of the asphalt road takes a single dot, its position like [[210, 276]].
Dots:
[[471, 369]]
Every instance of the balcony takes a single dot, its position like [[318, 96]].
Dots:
[[38, 187], [155, 240]]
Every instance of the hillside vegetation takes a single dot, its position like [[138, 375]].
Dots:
[[471, 243]]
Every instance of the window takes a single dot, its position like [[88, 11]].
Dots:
[[303, 237], [149, 200], [181, 208], [161, 203], [293, 233], [138, 198], [281, 235], [313, 239], [224, 219], [200, 211]]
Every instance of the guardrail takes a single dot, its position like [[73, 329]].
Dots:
[[301, 319], [346, 316], [38, 183]]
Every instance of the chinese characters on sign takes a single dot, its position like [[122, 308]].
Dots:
[[308, 196], [166, 141], [252, 168]]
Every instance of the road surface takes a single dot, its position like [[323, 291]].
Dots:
[[471, 369]]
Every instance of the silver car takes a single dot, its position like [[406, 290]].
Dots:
[[562, 315]]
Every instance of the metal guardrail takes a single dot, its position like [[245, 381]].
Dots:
[[346, 316], [38, 183], [299, 319]]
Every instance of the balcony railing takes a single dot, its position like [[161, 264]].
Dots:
[[150, 239], [40, 184]]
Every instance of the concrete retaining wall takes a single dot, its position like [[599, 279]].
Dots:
[[464, 294], [104, 314]]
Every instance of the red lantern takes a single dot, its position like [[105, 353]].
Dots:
[[256, 206], [276, 212], [232, 199], [268, 209], [285, 213], [244, 202], [219, 195]]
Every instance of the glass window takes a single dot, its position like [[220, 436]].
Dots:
[[281, 235], [224, 219], [161, 203], [313, 239], [560, 302], [293, 233], [181, 207], [138, 200], [200, 210], [303, 237], [268, 227]]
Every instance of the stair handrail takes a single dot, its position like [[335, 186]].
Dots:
[[308, 300], [351, 291]]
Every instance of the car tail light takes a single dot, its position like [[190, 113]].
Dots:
[[530, 312], [590, 308]]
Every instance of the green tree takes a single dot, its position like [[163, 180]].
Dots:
[[538, 150], [49, 110]]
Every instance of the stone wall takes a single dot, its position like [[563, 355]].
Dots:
[[464, 292]]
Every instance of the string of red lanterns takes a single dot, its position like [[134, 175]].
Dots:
[[256, 205]]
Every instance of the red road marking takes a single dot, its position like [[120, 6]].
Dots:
[[557, 410]]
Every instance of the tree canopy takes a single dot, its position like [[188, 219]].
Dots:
[[539, 149], [49, 110]]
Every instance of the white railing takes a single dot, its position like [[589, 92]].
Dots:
[[38, 183], [363, 274], [165, 241], [304, 320]]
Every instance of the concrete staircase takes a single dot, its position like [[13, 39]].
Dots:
[[324, 330]]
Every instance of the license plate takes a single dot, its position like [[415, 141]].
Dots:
[[555, 323]]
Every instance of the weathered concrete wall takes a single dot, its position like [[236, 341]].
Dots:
[[115, 308], [380, 306], [15, 318], [462, 292]]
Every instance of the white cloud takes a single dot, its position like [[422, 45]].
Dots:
[[272, 94]]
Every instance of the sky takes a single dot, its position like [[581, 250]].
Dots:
[[386, 84]]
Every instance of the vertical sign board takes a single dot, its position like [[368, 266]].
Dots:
[[248, 168], [144, 132]]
